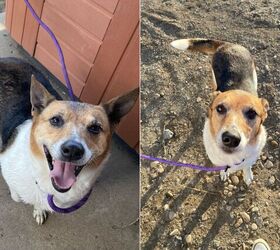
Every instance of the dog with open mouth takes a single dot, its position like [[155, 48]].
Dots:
[[234, 134], [49, 146]]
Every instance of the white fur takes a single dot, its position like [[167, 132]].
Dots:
[[220, 158], [21, 170], [182, 44]]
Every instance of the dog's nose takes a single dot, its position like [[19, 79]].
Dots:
[[230, 140], [72, 150]]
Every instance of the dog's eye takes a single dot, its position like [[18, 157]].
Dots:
[[251, 114], [94, 129], [57, 121], [221, 109]]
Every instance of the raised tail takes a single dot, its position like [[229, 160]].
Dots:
[[206, 46]]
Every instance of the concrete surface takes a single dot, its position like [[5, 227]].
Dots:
[[109, 220]]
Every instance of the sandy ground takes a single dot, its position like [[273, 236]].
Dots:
[[109, 220], [183, 208]]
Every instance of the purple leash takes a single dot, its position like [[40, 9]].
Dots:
[[70, 92], [58, 47], [181, 164], [68, 209]]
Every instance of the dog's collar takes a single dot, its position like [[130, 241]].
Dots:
[[68, 209], [227, 168], [235, 164]]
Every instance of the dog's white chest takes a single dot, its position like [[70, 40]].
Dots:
[[17, 167]]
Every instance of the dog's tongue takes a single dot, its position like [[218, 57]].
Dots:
[[63, 174]]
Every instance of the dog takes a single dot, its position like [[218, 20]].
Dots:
[[234, 134], [48, 145]]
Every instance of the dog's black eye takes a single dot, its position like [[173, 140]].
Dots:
[[94, 129], [251, 114], [221, 109], [57, 121]]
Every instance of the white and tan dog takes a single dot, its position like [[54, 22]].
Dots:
[[60, 147], [233, 135]]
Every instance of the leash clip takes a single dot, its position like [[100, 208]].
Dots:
[[227, 167]]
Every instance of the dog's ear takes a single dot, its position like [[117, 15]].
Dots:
[[119, 106], [214, 94], [213, 97], [39, 96], [265, 106]]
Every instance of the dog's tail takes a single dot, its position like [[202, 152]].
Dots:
[[206, 46]]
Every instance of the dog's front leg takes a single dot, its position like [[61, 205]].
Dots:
[[40, 215], [15, 196], [224, 174], [248, 175]]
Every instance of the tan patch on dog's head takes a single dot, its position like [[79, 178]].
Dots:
[[54, 122], [247, 112], [77, 119]]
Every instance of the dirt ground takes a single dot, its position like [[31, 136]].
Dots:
[[183, 208]]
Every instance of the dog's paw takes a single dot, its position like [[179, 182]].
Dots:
[[40, 216], [248, 176], [224, 175], [15, 196], [248, 181]]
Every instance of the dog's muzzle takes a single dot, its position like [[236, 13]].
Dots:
[[64, 171]]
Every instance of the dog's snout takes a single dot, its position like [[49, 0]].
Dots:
[[231, 140], [72, 150]]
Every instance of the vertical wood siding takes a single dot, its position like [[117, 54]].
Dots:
[[122, 26], [31, 27], [19, 11]]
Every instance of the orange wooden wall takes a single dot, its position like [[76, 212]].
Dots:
[[100, 41]]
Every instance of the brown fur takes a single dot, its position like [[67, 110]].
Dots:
[[232, 64], [236, 102], [204, 45], [77, 118]]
